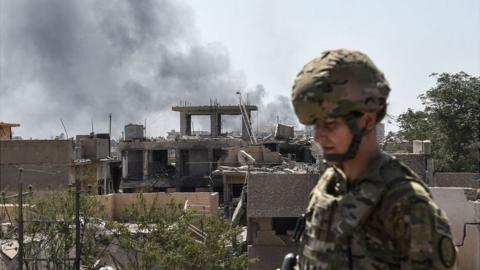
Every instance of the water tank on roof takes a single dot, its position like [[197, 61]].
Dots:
[[133, 132], [102, 135]]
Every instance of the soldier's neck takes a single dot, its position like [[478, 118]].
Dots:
[[368, 151]]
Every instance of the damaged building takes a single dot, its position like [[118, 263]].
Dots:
[[48, 164], [183, 163], [186, 162], [262, 182], [268, 200]]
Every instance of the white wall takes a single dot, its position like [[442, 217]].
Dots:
[[460, 211]]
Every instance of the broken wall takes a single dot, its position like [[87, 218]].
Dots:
[[284, 132], [462, 206], [94, 148], [158, 163], [260, 153]]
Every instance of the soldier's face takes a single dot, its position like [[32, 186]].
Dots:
[[333, 135]]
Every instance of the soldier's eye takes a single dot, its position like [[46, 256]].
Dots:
[[330, 125]]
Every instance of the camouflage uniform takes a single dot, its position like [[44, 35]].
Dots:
[[385, 219]]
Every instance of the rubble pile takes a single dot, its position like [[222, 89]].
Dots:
[[286, 167]]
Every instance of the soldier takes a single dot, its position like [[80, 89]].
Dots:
[[368, 210]]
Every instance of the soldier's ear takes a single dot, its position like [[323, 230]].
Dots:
[[368, 121]]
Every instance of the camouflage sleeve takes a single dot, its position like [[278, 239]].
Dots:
[[420, 230]]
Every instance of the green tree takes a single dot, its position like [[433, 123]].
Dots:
[[49, 229], [451, 120], [170, 237]]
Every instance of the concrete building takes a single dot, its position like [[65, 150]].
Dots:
[[46, 163], [183, 163], [102, 172], [215, 112]]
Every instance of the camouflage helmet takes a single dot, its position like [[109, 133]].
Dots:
[[338, 83]]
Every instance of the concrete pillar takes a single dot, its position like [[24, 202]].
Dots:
[[179, 168], [185, 124], [188, 119], [145, 164], [214, 124], [427, 147], [219, 124], [211, 164], [417, 147], [105, 166], [178, 162], [125, 164]]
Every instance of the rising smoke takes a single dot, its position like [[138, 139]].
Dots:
[[79, 60]]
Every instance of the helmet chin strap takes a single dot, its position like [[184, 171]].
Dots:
[[354, 144]]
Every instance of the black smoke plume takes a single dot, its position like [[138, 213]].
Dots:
[[81, 60]]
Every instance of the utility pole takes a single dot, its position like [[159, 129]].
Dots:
[[20, 254], [78, 244], [77, 218], [110, 135]]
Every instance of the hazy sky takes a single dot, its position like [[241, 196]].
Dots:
[[271, 40], [79, 60]]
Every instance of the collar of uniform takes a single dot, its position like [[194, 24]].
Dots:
[[372, 173]]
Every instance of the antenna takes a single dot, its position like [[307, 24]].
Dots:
[[92, 126], [109, 134], [65, 129]]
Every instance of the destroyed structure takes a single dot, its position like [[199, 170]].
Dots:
[[272, 199], [260, 183], [186, 162]]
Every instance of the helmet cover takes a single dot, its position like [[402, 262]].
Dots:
[[336, 84]]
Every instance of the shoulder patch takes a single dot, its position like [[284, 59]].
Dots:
[[446, 252]]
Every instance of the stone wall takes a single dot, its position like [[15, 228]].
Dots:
[[116, 204], [456, 179], [278, 195]]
